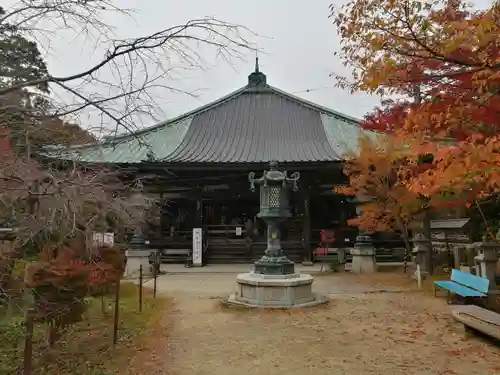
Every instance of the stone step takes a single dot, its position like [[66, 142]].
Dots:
[[228, 261]]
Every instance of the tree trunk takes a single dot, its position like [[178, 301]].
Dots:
[[426, 221], [406, 239], [8, 259], [7, 263], [408, 246]]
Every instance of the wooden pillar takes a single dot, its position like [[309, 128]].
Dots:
[[198, 219], [306, 225], [164, 226]]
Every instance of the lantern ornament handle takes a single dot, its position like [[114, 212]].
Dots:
[[294, 180], [275, 176], [255, 181]]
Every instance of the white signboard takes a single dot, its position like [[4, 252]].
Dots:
[[239, 231], [108, 239], [97, 238], [197, 247], [103, 239]]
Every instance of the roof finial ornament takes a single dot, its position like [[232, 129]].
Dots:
[[257, 78]]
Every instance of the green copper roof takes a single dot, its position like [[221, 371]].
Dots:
[[155, 144], [342, 135], [257, 123]]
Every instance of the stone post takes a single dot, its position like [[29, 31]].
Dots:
[[421, 250], [363, 253], [457, 250], [470, 261]]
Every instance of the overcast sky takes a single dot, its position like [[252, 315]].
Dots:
[[299, 44]]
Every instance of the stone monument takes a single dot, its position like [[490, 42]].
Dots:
[[274, 283]]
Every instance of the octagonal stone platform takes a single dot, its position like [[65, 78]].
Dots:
[[275, 291]]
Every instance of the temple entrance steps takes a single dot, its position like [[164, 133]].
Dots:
[[227, 251], [234, 251]]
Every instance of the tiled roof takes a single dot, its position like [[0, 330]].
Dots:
[[257, 123], [449, 223], [156, 143]]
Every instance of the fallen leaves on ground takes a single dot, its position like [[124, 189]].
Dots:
[[374, 333]]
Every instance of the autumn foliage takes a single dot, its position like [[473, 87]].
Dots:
[[67, 274], [441, 59], [373, 174]]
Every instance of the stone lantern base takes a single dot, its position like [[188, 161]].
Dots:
[[363, 261], [274, 266], [275, 291], [136, 259], [363, 255]]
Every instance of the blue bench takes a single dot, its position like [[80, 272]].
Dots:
[[464, 284]]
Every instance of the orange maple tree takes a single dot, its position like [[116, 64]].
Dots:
[[442, 59], [64, 275], [375, 173]]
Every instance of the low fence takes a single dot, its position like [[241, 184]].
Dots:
[[28, 340]]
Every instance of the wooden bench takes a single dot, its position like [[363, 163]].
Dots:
[[325, 257], [475, 318], [169, 254], [464, 284]]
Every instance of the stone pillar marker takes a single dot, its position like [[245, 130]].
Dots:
[[421, 251], [273, 283], [457, 256], [363, 253]]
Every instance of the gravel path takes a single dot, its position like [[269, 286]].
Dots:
[[356, 334]]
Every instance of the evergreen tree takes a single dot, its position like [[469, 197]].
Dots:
[[20, 60]]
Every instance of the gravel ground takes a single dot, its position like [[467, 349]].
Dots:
[[357, 333]]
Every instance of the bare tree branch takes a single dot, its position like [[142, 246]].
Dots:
[[53, 202], [122, 86]]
